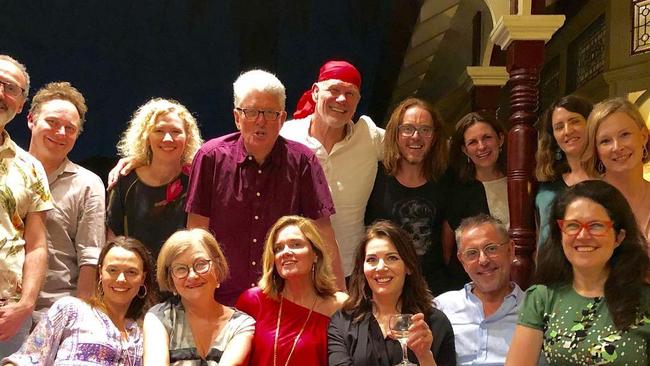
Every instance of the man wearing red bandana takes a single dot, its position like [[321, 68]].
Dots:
[[347, 151]]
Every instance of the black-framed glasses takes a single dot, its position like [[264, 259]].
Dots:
[[490, 250], [251, 113], [408, 130], [200, 266], [12, 89], [594, 228]]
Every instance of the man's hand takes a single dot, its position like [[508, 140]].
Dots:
[[12, 317], [123, 167]]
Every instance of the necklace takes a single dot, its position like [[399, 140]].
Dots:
[[295, 341]]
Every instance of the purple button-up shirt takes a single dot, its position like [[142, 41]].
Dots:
[[244, 199]]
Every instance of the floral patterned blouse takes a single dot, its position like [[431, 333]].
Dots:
[[23, 189], [579, 330], [75, 333]]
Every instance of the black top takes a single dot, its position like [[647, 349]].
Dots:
[[420, 212], [363, 343], [144, 211]]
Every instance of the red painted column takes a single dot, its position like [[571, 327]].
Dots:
[[524, 62]]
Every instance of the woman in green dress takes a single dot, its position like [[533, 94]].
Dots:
[[590, 304]]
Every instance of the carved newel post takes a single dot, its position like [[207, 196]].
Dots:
[[523, 36]]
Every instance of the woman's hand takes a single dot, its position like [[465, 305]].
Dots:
[[420, 337]]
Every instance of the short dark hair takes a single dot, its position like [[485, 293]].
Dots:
[[415, 297], [478, 220], [628, 264]]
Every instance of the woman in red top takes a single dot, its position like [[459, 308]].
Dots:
[[295, 298]]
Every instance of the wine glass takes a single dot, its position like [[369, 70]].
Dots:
[[399, 326]]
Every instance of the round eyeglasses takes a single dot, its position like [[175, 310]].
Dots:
[[490, 250], [408, 130], [200, 266]]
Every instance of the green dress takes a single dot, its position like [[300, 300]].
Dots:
[[579, 330]]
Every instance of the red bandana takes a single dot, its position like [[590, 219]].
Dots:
[[339, 70]]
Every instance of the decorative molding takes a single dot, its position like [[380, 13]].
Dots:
[[487, 75], [511, 28]]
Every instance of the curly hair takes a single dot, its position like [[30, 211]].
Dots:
[[628, 264], [593, 164], [272, 283], [135, 140], [548, 167], [64, 91], [139, 305], [464, 170], [435, 162], [415, 296]]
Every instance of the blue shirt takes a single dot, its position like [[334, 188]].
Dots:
[[480, 341]]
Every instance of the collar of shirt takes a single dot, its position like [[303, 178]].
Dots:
[[275, 156], [510, 301], [8, 147], [66, 167]]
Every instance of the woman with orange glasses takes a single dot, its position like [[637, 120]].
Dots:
[[590, 305]]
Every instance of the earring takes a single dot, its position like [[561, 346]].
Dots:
[[468, 161], [558, 154], [141, 296], [600, 167], [100, 289], [644, 156]]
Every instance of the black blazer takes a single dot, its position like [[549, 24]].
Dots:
[[349, 344]]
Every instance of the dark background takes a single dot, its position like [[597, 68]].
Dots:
[[121, 53]]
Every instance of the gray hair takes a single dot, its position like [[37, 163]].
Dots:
[[22, 69], [478, 220], [261, 81]]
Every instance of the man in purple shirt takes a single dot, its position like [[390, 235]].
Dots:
[[243, 182]]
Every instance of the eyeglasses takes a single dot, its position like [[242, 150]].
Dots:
[[12, 89], [408, 130], [251, 113], [490, 250], [200, 266], [594, 228]]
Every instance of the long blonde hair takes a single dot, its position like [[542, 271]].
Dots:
[[272, 283]]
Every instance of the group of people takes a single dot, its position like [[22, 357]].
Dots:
[[297, 242]]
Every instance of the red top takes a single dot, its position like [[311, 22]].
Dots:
[[311, 348]]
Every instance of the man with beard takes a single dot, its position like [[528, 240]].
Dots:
[[24, 200], [407, 188]]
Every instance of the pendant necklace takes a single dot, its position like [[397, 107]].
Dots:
[[295, 341]]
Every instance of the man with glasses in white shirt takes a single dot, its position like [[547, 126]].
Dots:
[[484, 313]]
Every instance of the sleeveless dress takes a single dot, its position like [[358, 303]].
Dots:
[[311, 348]]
